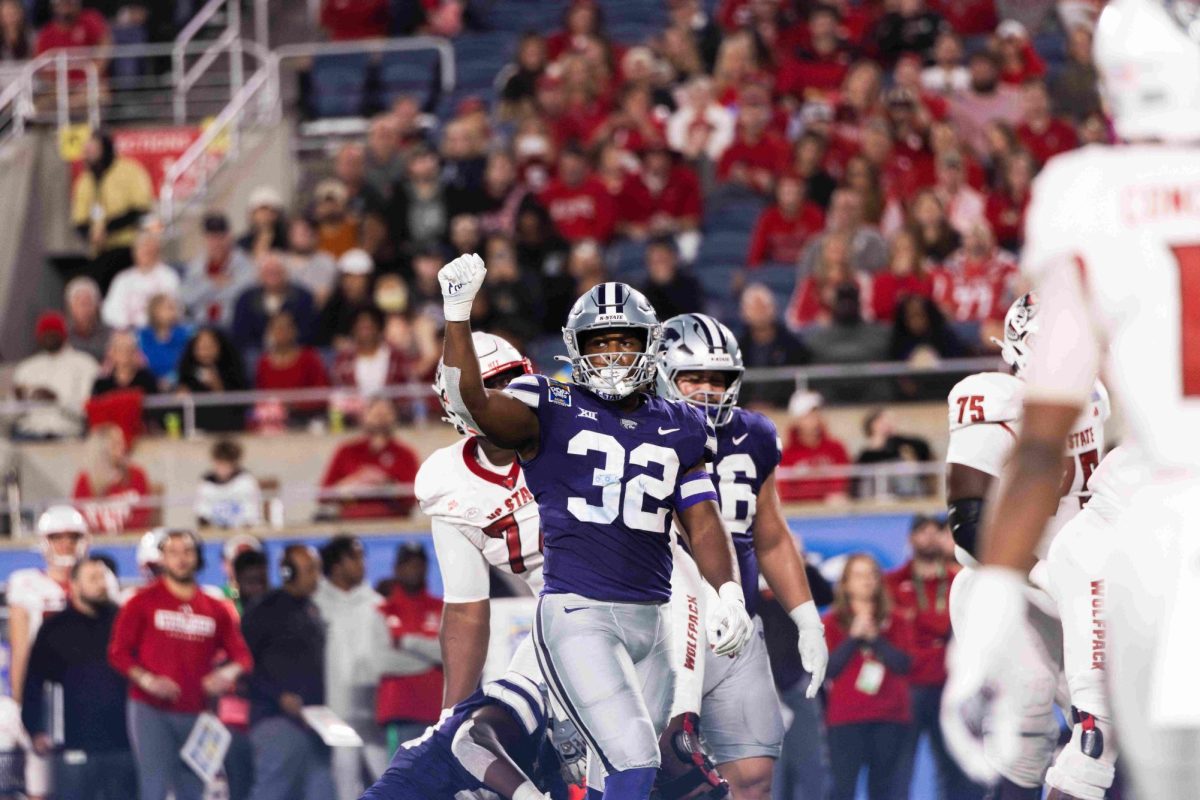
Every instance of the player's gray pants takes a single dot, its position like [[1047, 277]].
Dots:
[[740, 716], [157, 737], [609, 666]]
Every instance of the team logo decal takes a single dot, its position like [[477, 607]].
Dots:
[[628, 424], [560, 395]]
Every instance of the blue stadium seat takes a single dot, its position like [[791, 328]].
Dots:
[[627, 261], [416, 73], [732, 212], [779, 278], [339, 84], [724, 247], [716, 278]]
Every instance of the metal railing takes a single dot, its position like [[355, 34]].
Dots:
[[229, 41], [804, 376]]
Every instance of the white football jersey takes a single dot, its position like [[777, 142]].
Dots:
[[985, 416], [479, 517], [1113, 242], [38, 593]]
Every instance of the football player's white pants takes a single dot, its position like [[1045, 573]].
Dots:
[[609, 667], [1033, 687], [1076, 571], [1154, 602]]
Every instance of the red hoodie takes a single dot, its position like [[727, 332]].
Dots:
[[926, 605], [580, 212], [779, 239], [826, 452], [411, 698]]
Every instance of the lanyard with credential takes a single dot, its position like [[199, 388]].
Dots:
[[943, 588]]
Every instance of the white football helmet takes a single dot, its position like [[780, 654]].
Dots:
[[604, 307], [699, 343], [1020, 326], [149, 550], [1148, 55], [495, 356], [58, 520]]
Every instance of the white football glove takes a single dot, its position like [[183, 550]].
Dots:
[[979, 658], [729, 625], [814, 652], [460, 280]]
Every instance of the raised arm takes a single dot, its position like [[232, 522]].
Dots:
[[504, 420]]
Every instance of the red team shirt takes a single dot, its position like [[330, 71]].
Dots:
[[395, 459], [411, 698], [117, 509], [847, 703], [180, 639], [778, 239], [930, 620], [580, 212]]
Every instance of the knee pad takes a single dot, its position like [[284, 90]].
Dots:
[[1086, 767], [686, 771]]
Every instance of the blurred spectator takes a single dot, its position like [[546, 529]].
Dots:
[[463, 157], [234, 590], [868, 249], [211, 364], [883, 445], [813, 299], [920, 332], [228, 496], [249, 576], [868, 710], [862, 175], [757, 155], [110, 490], [928, 221], [338, 231], [93, 757], [976, 283], [821, 65], [57, 374], [285, 364], [920, 589], [808, 164], [363, 204], [213, 281], [353, 290], [1002, 142], [371, 364], [911, 28], [1019, 61], [1073, 86], [676, 202], [268, 228], [419, 213], [313, 269], [511, 301], [501, 198], [108, 201], [86, 331], [384, 166], [16, 35], [946, 74], [465, 234], [127, 303], [163, 340], [1007, 204], [670, 290], [520, 77], [906, 275], [286, 638], [585, 269], [985, 99], [618, 172], [1041, 134], [766, 342], [355, 636], [273, 293], [578, 203], [346, 20], [808, 447], [166, 641], [410, 690], [124, 368], [701, 127], [376, 461], [965, 207], [848, 338], [783, 228]]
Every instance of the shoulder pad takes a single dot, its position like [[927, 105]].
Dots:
[[985, 397]]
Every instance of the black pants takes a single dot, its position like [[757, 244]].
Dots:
[[106, 265], [952, 783], [875, 745], [94, 776]]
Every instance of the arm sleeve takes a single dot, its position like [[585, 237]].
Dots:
[[1064, 365], [36, 674], [127, 631], [255, 630], [232, 641], [984, 447], [840, 657], [892, 657], [464, 569]]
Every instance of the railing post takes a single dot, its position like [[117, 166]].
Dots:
[[178, 65], [189, 417], [93, 96], [262, 30], [62, 86], [236, 76]]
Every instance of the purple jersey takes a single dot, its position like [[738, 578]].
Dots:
[[427, 769], [747, 454], [607, 485]]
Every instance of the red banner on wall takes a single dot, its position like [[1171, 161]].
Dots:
[[156, 149]]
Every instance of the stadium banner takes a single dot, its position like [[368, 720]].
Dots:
[[155, 148]]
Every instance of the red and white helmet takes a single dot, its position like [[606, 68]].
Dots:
[[1148, 55], [58, 520], [1020, 325], [495, 357], [149, 550]]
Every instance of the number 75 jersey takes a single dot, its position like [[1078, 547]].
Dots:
[[479, 517], [608, 484]]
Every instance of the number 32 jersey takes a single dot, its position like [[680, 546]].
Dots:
[[608, 484], [479, 517]]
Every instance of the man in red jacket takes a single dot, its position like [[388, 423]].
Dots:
[[410, 692], [920, 591], [166, 641], [577, 201], [373, 470], [809, 446]]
